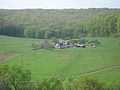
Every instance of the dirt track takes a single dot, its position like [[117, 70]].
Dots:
[[99, 70], [2, 57], [5, 56]]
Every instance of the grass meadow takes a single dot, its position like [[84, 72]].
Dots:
[[62, 63]]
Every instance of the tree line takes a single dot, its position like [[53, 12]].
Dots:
[[18, 78], [60, 23]]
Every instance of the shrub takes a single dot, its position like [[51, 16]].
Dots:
[[50, 84], [115, 85], [95, 42], [89, 83], [15, 77], [116, 35], [69, 84]]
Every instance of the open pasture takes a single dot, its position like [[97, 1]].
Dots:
[[63, 62]]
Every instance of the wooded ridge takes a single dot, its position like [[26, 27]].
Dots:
[[60, 23]]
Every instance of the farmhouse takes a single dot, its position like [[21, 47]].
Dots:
[[80, 45], [67, 44], [57, 45], [63, 44]]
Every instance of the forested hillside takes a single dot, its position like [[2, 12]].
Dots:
[[60, 23]]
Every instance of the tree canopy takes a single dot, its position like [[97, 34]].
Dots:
[[60, 23]]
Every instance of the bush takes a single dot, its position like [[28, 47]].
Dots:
[[115, 85], [69, 84], [89, 83], [14, 77], [116, 35], [55, 40], [95, 42], [18, 78], [83, 41], [46, 45], [50, 84], [3, 86]]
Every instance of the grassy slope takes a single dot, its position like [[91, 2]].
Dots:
[[13, 44], [65, 62], [113, 74]]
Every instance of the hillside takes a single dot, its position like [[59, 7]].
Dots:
[[12, 44], [60, 23], [63, 62]]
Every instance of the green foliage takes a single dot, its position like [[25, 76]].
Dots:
[[95, 42], [70, 23], [89, 83], [82, 41], [15, 77], [115, 85], [55, 40], [103, 25], [47, 35], [118, 24], [46, 45], [69, 84], [116, 35], [74, 41], [50, 84]]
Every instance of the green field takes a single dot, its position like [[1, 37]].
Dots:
[[63, 62]]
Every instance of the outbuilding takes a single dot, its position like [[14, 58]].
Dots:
[[57, 45]]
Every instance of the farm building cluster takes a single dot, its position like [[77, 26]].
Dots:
[[67, 44], [61, 44]]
